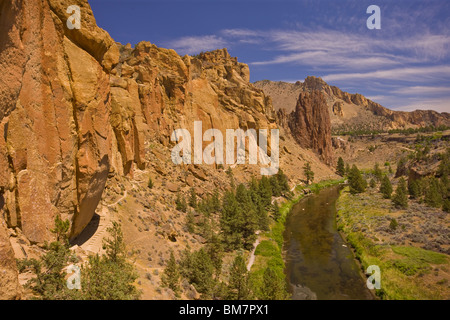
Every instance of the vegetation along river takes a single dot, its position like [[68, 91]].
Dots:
[[319, 265]]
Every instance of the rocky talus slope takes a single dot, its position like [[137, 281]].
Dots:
[[84, 119], [349, 111]]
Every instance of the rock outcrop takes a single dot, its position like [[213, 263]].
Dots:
[[9, 283], [350, 111], [77, 109], [55, 100], [310, 124]]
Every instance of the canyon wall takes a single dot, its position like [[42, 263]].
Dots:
[[350, 111], [77, 108]]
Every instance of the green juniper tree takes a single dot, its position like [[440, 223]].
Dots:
[[193, 198], [171, 275], [231, 222], [356, 181], [49, 282], [413, 189], [180, 203], [273, 287], [276, 213], [340, 169], [433, 196], [105, 277], [377, 172], [238, 284], [400, 197], [386, 187], [309, 174]]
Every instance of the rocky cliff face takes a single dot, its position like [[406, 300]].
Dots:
[[155, 91], [76, 109], [55, 100], [309, 124], [350, 111]]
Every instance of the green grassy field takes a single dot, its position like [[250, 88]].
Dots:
[[407, 272]]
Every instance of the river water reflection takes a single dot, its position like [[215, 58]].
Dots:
[[318, 263]]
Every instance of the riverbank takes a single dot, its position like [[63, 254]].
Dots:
[[393, 239], [269, 252]]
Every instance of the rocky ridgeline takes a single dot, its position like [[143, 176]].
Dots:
[[350, 111]]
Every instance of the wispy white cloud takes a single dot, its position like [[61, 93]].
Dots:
[[195, 44], [411, 74], [422, 90], [340, 49], [383, 64], [439, 104]]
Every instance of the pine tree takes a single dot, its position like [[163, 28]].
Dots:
[[433, 197], [272, 288], [401, 168], [202, 271], [446, 205], [215, 250], [190, 222], [283, 182], [171, 276], [231, 222], [215, 201], [206, 231], [249, 213], [180, 203], [276, 213], [193, 198], [265, 191], [340, 169], [377, 172], [275, 186], [231, 176], [372, 183], [61, 230], [238, 284], [386, 187], [106, 277], [114, 246], [347, 169], [309, 174], [49, 282], [400, 198], [356, 181], [413, 189]]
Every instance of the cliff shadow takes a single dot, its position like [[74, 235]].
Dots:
[[88, 231]]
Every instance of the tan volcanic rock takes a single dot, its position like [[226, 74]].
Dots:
[[54, 106], [350, 111], [310, 124], [76, 109], [9, 283]]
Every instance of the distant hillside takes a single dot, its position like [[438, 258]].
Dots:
[[350, 112]]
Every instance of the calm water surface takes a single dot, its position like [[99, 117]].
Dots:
[[319, 265]]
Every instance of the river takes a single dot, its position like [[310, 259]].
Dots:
[[319, 265]]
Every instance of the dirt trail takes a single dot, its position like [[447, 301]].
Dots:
[[251, 260], [99, 226]]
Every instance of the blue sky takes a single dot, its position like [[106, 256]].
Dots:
[[404, 66]]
